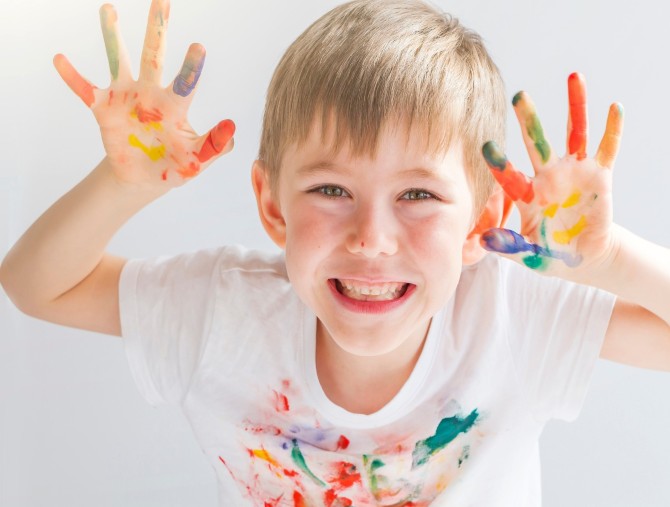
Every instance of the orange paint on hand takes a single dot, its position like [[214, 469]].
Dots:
[[146, 115], [578, 116], [216, 140], [83, 88], [609, 146]]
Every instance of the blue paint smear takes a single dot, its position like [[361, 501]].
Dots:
[[505, 241], [188, 78]]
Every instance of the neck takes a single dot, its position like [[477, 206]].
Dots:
[[364, 384]]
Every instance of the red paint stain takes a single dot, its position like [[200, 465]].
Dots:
[[579, 121], [164, 176], [298, 500], [281, 402], [148, 115], [111, 97], [330, 499], [342, 443], [216, 140], [345, 476]]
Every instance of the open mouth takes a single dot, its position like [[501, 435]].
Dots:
[[387, 291]]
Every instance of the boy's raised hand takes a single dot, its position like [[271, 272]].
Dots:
[[566, 208], [144, 126]]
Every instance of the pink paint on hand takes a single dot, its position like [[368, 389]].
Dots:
[[216, 140]]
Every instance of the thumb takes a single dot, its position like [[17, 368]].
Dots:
[[217, 141]]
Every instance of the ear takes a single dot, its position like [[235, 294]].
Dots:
[[269, 210], [495, 214]]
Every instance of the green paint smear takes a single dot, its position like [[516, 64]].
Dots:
[[448, 429], [111, 45], [494, 155], [517, 98], [536, 262], [371, 465], [299, 460], [536, 133]]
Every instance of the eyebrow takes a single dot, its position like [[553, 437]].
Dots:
[[325, 166]]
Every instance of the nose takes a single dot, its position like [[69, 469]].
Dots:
[[372, 232]]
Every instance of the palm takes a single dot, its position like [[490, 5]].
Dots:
[[566, 208], [144, 127]]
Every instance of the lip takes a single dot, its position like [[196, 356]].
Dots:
[[369, 307]]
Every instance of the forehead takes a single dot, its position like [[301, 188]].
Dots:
[[396, 144]]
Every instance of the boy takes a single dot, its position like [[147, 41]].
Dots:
[[399, 366]]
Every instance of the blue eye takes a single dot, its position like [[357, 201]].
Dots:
[[416, 194]]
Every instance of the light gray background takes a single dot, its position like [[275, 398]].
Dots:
[[74, 430]]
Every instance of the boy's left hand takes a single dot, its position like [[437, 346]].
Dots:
[[566, 208]]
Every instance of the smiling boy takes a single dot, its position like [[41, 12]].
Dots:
[[383, 358]]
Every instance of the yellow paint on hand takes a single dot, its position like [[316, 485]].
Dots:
[[551, 210], [564, 237], [153, 152], [572, 200]]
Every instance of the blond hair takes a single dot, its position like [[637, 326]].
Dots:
[[369, 62]]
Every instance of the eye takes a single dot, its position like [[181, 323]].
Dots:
[[331, 191], [416, 194]]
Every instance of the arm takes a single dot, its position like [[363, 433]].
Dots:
[[567, 230], [58, 270]]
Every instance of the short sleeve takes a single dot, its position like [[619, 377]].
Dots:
[[166, 307], [555, 332]]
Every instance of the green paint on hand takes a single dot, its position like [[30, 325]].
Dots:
[[536, 133], [448, 429], [107, 20], [536, 262], [494, 155]]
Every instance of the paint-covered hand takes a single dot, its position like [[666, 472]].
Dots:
[[144, 126], [566, 207]]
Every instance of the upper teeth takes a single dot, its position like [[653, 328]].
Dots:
[[388, 288]]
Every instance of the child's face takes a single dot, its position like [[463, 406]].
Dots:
[[374, 246]]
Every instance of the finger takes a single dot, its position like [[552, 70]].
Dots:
[[516, 185], [609, 146], [578, 119], [188, 76], [538, 147], [151, 67], [117, 56], [82, 87], [217, 141]]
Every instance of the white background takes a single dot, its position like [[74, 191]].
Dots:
[[74, 430]]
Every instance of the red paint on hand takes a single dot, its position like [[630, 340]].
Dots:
[[148, 115], [516, 184], [578, 117], [216, 140], [342, 443]]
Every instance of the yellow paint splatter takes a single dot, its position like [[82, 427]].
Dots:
[[265, 455], [564, 237], [153, 152], [551, 210], [572, 200]]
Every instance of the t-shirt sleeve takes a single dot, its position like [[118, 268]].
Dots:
[[166, 308], [556, 331]]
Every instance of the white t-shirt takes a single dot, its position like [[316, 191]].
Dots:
[[222, 334]]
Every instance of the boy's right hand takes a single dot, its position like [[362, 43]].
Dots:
[[145, 130]]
